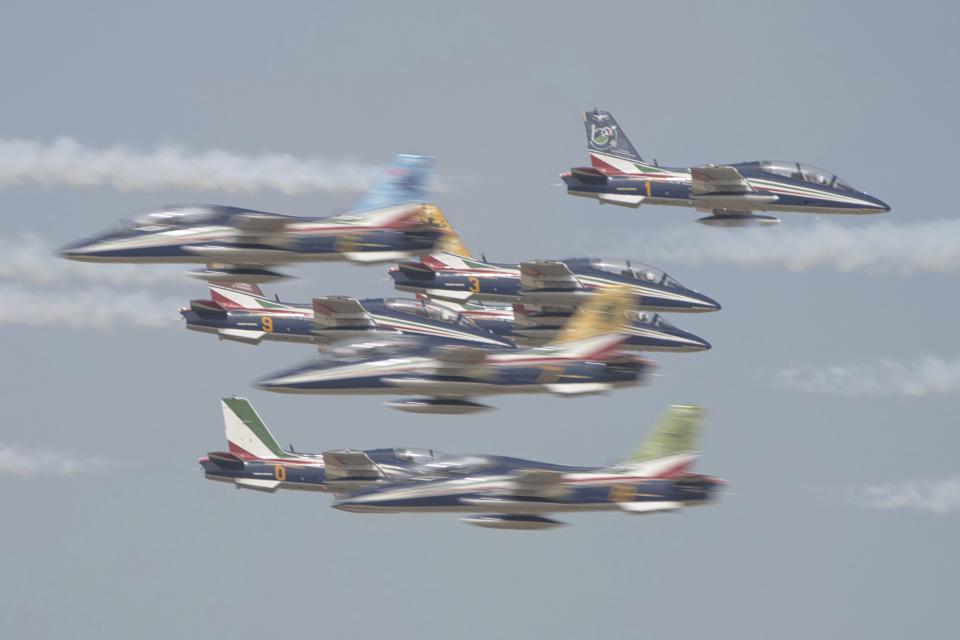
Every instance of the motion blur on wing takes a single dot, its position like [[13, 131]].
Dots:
[[509, 493], [586, 357], [387, 225]]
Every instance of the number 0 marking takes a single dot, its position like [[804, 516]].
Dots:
[[279, 472], [622, 493], [267, 323]]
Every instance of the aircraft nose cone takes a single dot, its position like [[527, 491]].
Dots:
[[708, 304], [73, 251]]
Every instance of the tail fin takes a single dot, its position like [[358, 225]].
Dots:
[[608, 145], [604, 312], [405, 181], [248, 437], [451, 242], [236, 295], [675, 434]]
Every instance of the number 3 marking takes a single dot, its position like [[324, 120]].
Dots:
[[474, 283]]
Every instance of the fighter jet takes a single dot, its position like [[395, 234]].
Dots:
[[531, 325], [255, 460], [389, 224], [586, 357], [240, 312], [453, 274], [731, 192], [508, 493]]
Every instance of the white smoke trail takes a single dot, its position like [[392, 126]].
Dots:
[[873, 247], [30, 259], [20, 461], [936, 496], [922, 377], [65, 161], [94, 308]]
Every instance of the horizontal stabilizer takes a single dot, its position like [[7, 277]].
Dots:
[[588, 175], [578, 388], [247, 336], [258, 222], [374, 257], [240, 255], [658, 506], [622, 199], [257, 485], [207, 308]]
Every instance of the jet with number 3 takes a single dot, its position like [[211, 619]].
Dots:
[[452, 273], [730, 192]]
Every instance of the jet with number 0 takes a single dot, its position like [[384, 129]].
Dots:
[[508, 493], [587, 357], [389, 224], [453, 274], [730, 192], [255, 460], [241, 313]]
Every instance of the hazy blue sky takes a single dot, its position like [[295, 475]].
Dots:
[[832, 387]]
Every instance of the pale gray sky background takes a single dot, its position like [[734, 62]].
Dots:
[[843, 510]]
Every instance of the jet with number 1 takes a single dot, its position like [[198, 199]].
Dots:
[[731, 192], [389, 224]]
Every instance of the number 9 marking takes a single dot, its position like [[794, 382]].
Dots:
[[267, 323]]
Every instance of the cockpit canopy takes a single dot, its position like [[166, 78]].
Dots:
[[805, 173], [419, 456], [183, 216], [635, 271], [652, 319], [459, 465], [428, 310]]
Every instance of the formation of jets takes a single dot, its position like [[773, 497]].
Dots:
[[470, 328]]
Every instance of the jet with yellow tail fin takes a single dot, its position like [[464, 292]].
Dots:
[[585, 357]]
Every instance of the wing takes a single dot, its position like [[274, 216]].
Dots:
[[351, 465], [723, 189], [650, 506], [340, 312], [547, 274], [538, 483], [715, 178], [461, 362], [398, 218]]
